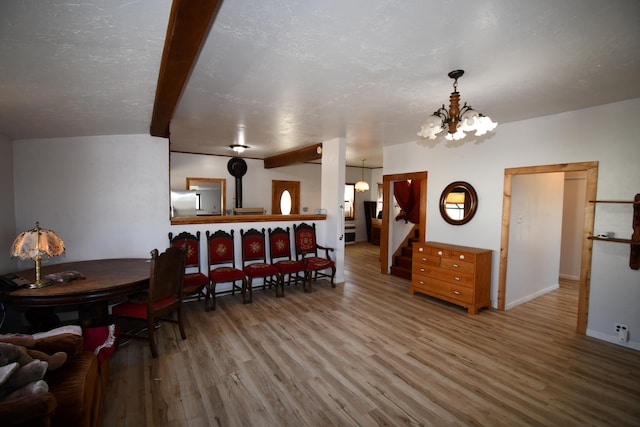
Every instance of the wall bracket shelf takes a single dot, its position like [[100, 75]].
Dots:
[[634, 242]]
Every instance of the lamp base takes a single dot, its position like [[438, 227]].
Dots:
[[39, 284]]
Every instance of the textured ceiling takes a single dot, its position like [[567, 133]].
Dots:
[[293, 73]]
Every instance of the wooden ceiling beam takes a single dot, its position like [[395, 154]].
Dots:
[[189, 24], [301, 155]]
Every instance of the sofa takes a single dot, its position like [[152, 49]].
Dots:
[[76, 389]]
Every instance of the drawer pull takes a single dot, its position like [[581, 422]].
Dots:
[[456, 278], [456, 292], [439, 252], [422, 270], [424, 259], [461, 256], [420, 249], [421, 282], [456, 265]]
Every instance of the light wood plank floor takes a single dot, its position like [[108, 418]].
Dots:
[[368, 353]]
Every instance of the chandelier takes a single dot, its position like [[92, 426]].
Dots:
[[457, 120], [362, 185]]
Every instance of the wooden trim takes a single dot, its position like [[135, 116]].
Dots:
[[591, 169], [244, 218], [384, 232], [189, 24], [300, 155]]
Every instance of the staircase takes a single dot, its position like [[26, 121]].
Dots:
[[403, 257]]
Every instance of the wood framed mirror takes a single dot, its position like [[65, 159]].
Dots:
[[458, 203], [210, 195]]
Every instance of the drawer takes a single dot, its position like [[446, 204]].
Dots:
[[444, 253], [425, 259], [438, 287], [456, 277], [455, 265], [463, 256]]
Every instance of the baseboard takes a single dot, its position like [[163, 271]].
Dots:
[[569, 277], [613, 339], [531, 296]]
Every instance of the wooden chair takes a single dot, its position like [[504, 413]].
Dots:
[[304, 237], [194, 280], [254, 262], [163, 298], [280, 256], [222, 267]]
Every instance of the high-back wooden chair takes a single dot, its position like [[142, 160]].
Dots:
[[163, 298], [304, 238], [194, 280], [254, 262], [222, 267], [280, 255]]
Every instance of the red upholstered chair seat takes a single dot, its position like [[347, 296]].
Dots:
[[194, 282], [138, 309], [317, 263], [260, 269], [288, 266], [226, 274]]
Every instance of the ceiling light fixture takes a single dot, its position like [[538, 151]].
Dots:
[[457, 120], [238, 148], [362, 185]]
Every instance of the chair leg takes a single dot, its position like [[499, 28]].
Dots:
[[247, 287], [333, 275], [152, 337], [180, 324], [279, 284], [308, 288], [210, 297]]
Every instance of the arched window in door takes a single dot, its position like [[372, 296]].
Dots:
[[285, 194]]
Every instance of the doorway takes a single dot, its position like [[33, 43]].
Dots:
[[387, 197], [591, 170]]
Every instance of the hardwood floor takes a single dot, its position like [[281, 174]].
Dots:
[[369, 353]]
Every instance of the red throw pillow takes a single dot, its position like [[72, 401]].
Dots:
[[101, 340]]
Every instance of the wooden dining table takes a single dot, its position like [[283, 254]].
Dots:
[[103, 280]]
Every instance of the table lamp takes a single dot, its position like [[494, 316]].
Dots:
[[35, 244]]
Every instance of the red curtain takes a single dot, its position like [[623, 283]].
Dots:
[[407, 194]]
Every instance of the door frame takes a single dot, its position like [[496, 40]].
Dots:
[[386, 192], [591, 169]]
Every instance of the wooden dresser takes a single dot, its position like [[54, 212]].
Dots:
[[458, 274]]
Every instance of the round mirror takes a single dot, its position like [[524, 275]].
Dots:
[[458, 203]]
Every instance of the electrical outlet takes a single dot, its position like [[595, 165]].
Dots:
[[623, 332]]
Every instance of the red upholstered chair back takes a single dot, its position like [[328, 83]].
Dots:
[[304, 236], [190, 244], [253, 247], [279, 243], [220, 248]]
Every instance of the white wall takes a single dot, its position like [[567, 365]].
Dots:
[[106, 196], [607, 133], [7, 213], [535, 234]]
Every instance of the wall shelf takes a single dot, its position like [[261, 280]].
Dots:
[[634, 242]]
